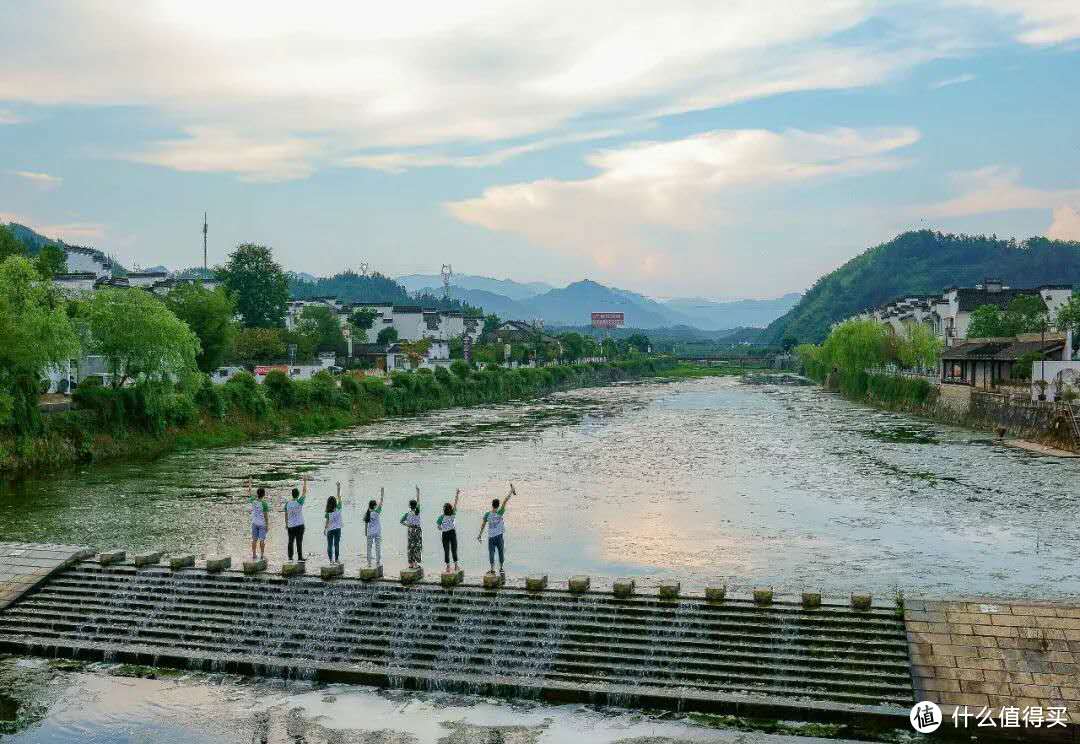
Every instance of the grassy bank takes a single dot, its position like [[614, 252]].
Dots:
[[148, 420]]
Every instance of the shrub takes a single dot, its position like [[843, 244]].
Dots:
[[460, 368], [279, 388], [244, 394], [210, 399], [350, 386]]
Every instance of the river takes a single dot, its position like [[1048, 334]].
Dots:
[[700, 480]]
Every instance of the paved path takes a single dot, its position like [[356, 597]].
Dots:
[[995, 654], [22, 565]]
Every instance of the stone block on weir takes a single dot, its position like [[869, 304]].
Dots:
[[716, 593], [370, 573], [218, 563], [452, 578], [255, 567], [670, 590], [861, 601], [109, 557], [536, 583], [494, 580], [412, 575], [176, 562], [763, 596], [147, 559], [293, 568], [811, 600], [623, 588], [332, 571], [578, 584]]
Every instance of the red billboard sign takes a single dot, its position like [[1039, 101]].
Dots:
[[607, 320]]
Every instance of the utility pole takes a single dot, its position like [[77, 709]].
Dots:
[[364, 268], [447, 273], [204, 230]]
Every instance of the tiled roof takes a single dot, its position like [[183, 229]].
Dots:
[[969, 298], [1002, 349]]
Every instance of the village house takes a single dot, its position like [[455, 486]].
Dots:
[[949, 314], [987, 363]]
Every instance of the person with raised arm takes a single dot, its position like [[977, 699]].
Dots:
[[332, 528], [373, 528], [493, 520], [447, 525], [294, 520], [411, 519], [260, 519]]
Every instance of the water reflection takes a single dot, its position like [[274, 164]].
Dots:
[[697, 480]]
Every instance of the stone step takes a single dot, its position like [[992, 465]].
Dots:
[[762, 703], [584, 672], [181, 632], [570, 626], [692, 617], [746, 635]]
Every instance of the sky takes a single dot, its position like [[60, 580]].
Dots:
[[724, 148]]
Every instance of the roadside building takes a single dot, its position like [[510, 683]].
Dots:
[[75, 284], [988, 363]]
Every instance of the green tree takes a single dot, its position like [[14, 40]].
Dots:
[[919, 347], [51, 260], [415, 351], [209, 313], [788, 342], [1026, 314], [252, 345], [258, 285], [573, 345], [639, 341], [139, 337], [1068, 318], [304, 335], [987, 322], [9, 244], [491, 322], [387, 336], [363, 318], [327, 327], [35, 332]]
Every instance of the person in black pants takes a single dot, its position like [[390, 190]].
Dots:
[[294, 521], [446, 524]]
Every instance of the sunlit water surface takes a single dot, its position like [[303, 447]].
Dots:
[[697, 480]]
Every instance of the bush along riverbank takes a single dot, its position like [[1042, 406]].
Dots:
[[151, 418]]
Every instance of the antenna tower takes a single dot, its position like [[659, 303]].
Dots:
[[447, 274], [204, 230], [364, 268]]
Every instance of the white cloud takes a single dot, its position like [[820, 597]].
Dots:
[[43, 181], [208, 150], [1065, 224], [1039, 22], [358, 77], [74, 232], [967, 77], [688, 185], [996, 189]]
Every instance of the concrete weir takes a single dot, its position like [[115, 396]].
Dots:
[[686, 653]]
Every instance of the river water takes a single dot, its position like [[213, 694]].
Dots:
[[697, 480]]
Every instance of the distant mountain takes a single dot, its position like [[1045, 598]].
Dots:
[[575, 303], [492, 302], [35, 240], [924, 263], [505, 287], [712, 315]]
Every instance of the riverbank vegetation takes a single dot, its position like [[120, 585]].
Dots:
[[853, 348], [152, 417]]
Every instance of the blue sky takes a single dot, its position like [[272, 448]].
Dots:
[[736, 149]]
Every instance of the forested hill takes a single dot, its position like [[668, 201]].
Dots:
[[349, 286], [924, 262]]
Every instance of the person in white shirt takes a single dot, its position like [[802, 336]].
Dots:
[[493, 520], [447, 525], [332, 528], [373, 528], [294, 521]]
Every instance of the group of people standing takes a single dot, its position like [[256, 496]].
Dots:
[[446, 522]]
